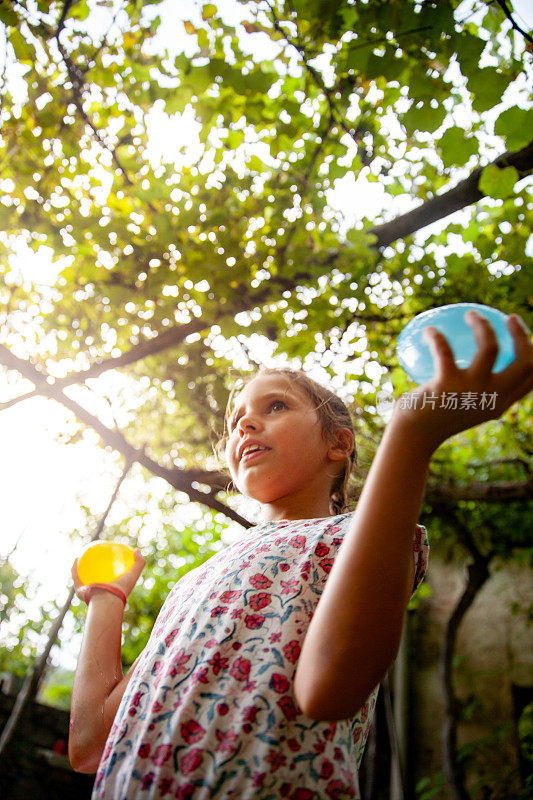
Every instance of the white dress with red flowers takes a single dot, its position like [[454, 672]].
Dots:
[[209, 711]]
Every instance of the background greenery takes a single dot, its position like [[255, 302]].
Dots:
[[182, 164]]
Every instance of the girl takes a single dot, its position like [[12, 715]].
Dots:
[[259, 678]]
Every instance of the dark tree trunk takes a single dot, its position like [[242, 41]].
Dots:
[[478, 573]]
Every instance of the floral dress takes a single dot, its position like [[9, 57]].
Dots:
[[209, 711]]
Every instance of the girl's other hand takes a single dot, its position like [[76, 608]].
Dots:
[[457, 399], [125, 582]]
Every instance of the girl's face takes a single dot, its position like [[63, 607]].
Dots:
[[276, 450]]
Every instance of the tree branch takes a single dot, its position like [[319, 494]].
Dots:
[[179, 479], [478, 573], [138, 352], [506, 10], [503, 492], [464, 194]]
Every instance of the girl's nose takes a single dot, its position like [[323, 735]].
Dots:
[[247, 423]]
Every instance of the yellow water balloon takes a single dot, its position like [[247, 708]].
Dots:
[[103, 562]]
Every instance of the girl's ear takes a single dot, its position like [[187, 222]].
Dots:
[[341, 444]]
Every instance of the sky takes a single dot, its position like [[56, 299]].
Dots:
[[43, 482]]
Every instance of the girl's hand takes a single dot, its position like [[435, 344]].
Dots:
[[125, 582], [457, 399]]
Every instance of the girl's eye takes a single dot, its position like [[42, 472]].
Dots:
[[276, 405]]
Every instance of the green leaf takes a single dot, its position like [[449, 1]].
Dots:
[[488, 86], [515, 125], [497, 182], [8, 16], [208, 11], [456, 147], [425, 118]]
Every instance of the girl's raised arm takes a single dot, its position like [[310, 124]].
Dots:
[[98, 682], [356, 629]]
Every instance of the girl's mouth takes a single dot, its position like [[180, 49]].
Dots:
[[252, 451]]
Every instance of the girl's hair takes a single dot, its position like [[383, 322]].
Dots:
[[332, 414]]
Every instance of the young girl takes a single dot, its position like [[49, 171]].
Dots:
[[260, 676]]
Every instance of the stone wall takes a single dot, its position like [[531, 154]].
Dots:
[[36, 767], [494, 655]]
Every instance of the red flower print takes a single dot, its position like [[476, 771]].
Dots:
[[191, 761], [294, 745], [162, 754], [185, 791], [236, 646], [240, 669], [247, 728], [319, 747], [222, 709], [136, 699], [211, 643], [148, 780], [218, 663], [326, 564], [279, 683], [236, 613], [289, 586], [298, 541], [321, 549], [250, 713], [338, 755], [363, 714], [180, 660], [337, 789], [156, 707], [303, 794], [275, 637], [305, 570], [258, 778], [156, 669], [229, 596], [292, 650], [253, 621], [191, 731], [165, 785], [329, 733], [284, 567], [284, 789], [357, 734], [259, 581], [201, 675], [171, 636], [144, 751], [259, 601], [218, 610], [336, 542], [276, 759], [327, 769], [287, 706], [226, 741]]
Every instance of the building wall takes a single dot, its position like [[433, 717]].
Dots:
[[494, 652]]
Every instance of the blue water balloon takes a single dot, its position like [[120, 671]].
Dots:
[[415, 356]]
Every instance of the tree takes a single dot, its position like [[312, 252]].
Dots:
[[173, 264]]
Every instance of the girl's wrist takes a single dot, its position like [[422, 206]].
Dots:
[[419, 439], [103, 588]]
